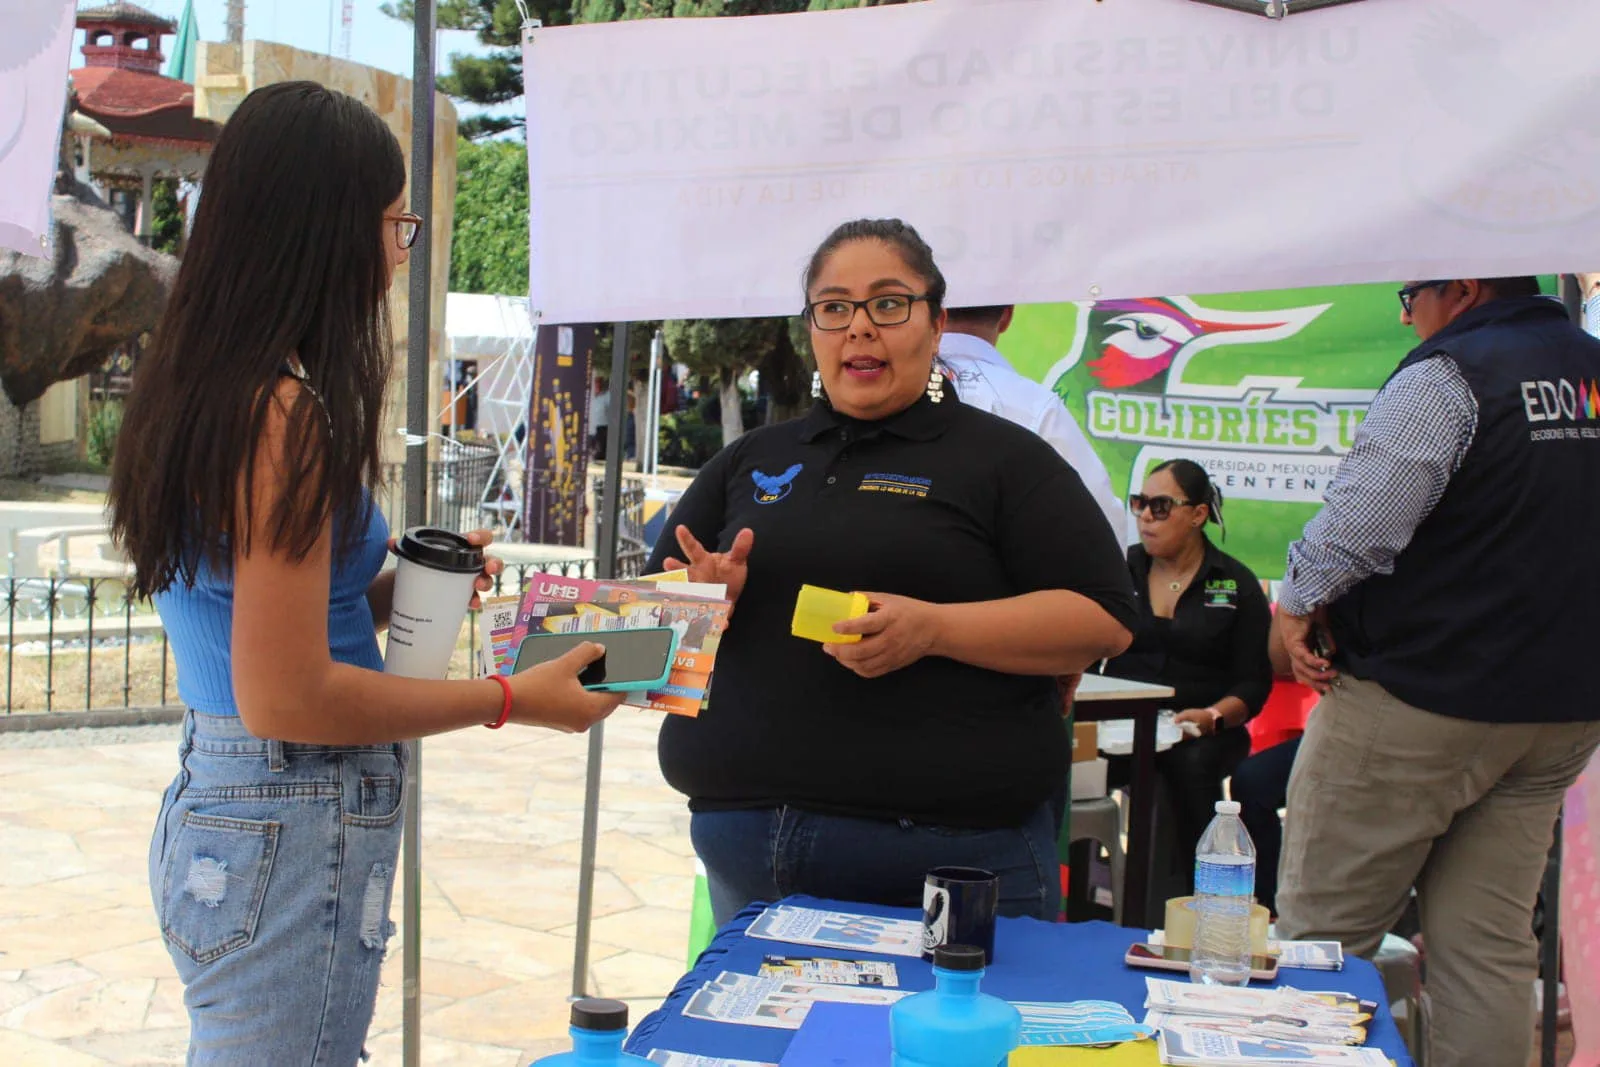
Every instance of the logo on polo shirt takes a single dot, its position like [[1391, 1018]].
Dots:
[[771, 488], [898, 484], [1221, 593]]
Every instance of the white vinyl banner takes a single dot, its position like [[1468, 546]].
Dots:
[[1061, 149], [35, 45]]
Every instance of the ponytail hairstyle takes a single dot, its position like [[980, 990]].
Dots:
[[1198, 488]]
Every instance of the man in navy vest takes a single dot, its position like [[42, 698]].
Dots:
[[1444, 603]]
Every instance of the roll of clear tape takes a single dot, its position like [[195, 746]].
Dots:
[[1179, 932]]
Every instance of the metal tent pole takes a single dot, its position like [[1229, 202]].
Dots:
[[417, 344], [606, 565], [1550, 937]]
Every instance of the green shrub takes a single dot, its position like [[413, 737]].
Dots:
[[105, 420]]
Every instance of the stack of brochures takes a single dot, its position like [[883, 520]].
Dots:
[[698, 611], [1206, 1025]]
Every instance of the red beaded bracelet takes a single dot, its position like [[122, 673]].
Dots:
[[505, 707]]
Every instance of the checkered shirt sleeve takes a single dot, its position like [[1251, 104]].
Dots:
[[1413, 440]]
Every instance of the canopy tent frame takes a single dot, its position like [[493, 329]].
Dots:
[[505, 394], [417, 364], [1274, 9]]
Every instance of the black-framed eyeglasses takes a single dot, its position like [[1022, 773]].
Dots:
[[837, 313], [407, 227], [1159, 506], [1409, 293]]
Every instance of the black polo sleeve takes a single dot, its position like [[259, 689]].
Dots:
[[1251, 670], [702, 508], [1052, 535]]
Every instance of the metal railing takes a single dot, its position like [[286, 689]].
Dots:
[[82, 643], [632, 550], [457, 482], [77, 643]]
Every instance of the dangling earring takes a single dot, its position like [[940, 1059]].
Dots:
[[816, 385], [935, 385]]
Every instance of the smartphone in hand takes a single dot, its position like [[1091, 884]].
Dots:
[[634, 659]]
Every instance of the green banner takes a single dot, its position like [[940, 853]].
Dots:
[[1265, 390]]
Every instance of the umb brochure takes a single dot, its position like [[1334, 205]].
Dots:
[[553, 604], [839, 929]]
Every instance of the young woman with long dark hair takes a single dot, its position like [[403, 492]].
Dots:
[[241, 491]]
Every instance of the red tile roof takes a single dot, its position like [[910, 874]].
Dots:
[[131, 103]]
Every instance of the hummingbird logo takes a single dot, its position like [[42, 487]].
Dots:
[[1145, 337]]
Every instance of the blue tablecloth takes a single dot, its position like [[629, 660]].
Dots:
[[1033, 961]]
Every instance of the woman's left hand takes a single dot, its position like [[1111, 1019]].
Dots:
[[1205, 720], [492, 566], [896, 632]]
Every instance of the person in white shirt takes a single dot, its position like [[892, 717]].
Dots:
[[984, 379]]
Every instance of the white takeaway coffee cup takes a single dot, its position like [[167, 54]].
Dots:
[[433, 584]]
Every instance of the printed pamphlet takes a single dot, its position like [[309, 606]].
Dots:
[[1189, 1046], [839, 929], [831, 972], [1279, 1027], [774, 1002], [553, 604], [1311, 955], [668, 1058], [1182, 998]]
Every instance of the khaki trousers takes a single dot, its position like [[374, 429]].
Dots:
[[1385, 796]]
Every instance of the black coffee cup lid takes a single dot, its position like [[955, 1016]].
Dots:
[[959, 957], [442, 550], [597, 1014]]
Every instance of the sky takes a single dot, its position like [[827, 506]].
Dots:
[[375, 39]]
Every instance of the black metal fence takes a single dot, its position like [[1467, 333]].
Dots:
[[455, 489], [632, 549]]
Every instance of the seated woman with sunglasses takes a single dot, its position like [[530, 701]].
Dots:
[[1203, 623], [930, 732]]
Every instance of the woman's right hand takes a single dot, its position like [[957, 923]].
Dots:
[[549, 694], [729, 568]]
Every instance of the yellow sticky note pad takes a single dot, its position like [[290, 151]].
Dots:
[[817, 609]]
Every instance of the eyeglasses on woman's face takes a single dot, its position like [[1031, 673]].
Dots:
[[837, 313], [1158, 506], [407, 227]]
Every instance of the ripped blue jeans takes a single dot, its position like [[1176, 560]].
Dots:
[[272, 869]]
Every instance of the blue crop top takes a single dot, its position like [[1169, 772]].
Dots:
[[199, 620]]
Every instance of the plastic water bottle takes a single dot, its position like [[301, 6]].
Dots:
[[598, 1027], [1224, 891], [953, 1025]]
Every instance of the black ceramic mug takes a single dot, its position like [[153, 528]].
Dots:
[[958, 908]]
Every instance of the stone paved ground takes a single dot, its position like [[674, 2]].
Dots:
[[84, 978]]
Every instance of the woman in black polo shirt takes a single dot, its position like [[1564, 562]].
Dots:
[[848, 770], [1203, 623]]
